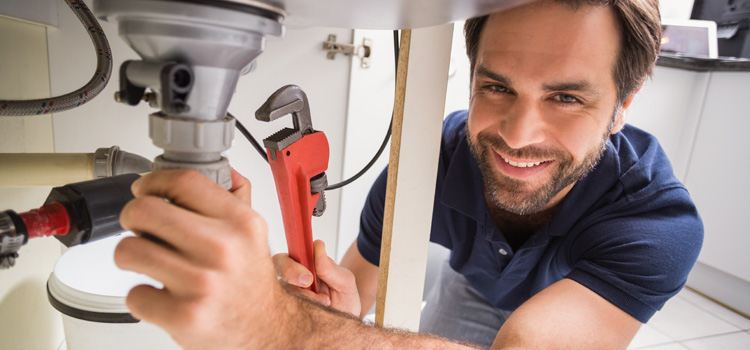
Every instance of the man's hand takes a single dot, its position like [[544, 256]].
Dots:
[[212, 256], [337, 287], [210, 250]]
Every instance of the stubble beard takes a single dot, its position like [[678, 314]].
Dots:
[[511, 194]]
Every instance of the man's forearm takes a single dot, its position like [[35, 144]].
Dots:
[[324, 328]]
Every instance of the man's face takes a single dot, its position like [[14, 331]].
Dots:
[[543, 98]]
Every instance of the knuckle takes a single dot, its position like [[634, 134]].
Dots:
[[126, 215], [138, 210], [188, 317], [223, 249], [204, 282], [187, 178], [349, 278], [240, 209], [252, 222]]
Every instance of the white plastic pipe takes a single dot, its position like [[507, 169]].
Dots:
[[45, 169]]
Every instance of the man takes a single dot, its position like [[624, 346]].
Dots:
[[557, 213]]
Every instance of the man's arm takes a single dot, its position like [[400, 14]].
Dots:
[[333, 330], [564, 315], [567, 315]]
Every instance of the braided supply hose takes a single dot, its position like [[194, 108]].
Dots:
[[87, 92]]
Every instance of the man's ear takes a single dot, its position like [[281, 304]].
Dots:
[[620, 122]]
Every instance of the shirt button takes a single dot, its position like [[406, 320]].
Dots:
[[502, 251]]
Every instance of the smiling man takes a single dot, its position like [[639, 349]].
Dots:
[[560, 218], [567, 227]]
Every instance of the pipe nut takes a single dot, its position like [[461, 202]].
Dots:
[[191, 136], [218, 171]]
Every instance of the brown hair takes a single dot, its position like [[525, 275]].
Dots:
[[640, 38]]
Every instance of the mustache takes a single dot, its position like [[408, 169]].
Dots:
[[529, 152]]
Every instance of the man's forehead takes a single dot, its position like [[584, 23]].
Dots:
[[551, 19], [550, 34]]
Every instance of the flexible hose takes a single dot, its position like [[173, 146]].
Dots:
[[87, 92]]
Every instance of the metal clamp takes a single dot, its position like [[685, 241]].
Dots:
[[363, 51]]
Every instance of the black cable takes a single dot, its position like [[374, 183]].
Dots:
[[250, 138], [367, 167], [387, 135]]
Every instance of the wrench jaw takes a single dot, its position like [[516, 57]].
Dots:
[[289, 99], [281, 140]]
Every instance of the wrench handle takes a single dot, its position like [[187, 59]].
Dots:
[[292, 168]]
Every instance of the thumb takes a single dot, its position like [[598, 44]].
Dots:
[[327, 269], [240, 187], [291, 271]]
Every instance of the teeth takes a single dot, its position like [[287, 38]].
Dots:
[[521, 165]]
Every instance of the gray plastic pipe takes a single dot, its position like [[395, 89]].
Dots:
[[56, 169]]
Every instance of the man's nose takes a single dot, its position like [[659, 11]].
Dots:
[[522, 125]]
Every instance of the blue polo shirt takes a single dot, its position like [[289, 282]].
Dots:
[[628, 230]]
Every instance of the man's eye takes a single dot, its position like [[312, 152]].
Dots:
[[564, 98], [497, 88]]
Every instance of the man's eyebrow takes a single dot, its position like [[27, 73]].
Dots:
[[485, 72], [580, 86]]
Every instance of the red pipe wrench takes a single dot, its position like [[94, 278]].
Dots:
[[299, 158]]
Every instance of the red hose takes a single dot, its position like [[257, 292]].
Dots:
[[49, 220]]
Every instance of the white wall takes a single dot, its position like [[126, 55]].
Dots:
[[676, 9], [42, 12], [24, 73]]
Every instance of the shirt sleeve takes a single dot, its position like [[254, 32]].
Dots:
[[637, 262], [371, 221]]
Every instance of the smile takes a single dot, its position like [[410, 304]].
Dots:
[[523, 165]]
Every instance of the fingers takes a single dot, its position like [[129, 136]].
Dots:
[[291, 271], [157, 217], [155, 260], [188, 189], [150, 304], [240, 187], [298, 278], [213, 259]]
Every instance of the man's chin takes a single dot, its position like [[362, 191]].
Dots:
[[517, 205]]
